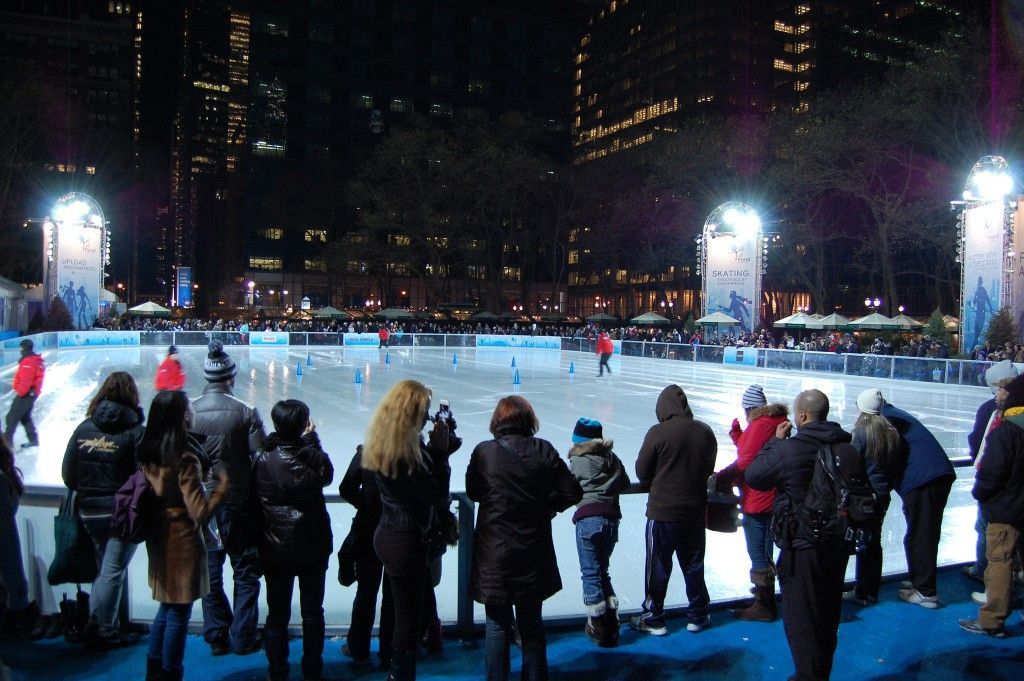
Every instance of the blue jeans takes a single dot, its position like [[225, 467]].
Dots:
[[757, 530], [219, 622], [498, 637], [167, 635], [108, 603], [686, 540], [595, 541]]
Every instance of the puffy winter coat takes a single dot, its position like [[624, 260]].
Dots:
[[981, 419], [520, 483], [999, 480], [749, 442], [169, 375], [602, 478], [676, 459], [29, 376], [604, 345], [787, 466], [100, 455], [233, 434], [295, 527]]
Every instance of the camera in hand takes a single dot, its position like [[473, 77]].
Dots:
[[444, 413]]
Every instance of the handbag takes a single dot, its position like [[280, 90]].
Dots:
[[442, 533], [723, 509], [347, 573], [134, 508], [74, 560]]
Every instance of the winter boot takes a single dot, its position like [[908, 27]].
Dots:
[[154, 669], [433, 640], [596, 624], [611, 616], [763, 609], [403, 667]]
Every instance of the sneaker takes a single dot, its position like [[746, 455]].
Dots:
[[254, 647], [971, 572], [649, 624], [347, 652], [979, 597], [697, 627], [852, 597], [906, 584], [914, 596], [220, 646], [974, 626]]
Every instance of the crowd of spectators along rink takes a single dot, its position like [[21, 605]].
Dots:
[[908, 345], [677, 457]]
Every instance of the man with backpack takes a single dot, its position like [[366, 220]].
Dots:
[[810, 570]]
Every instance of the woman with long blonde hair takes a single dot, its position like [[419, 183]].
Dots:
[[413, 479]]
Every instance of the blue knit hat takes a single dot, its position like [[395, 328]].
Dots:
[[587, 429]]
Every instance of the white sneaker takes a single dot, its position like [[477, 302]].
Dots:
[[979, 597], [697, 627], [914, 596]]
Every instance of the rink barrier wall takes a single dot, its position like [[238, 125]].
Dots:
[[39, 504], [895, 367]]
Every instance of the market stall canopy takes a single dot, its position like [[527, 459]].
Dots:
[[486, 315], [834, 321], [149, 309], [907, 323], [717, 319], [649, 318], [394, 313], [875, 321], [800, 320], [331, 313], [602, 317]]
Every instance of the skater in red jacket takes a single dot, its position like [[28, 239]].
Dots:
[[28, 383], [170, 375], [605, 350]]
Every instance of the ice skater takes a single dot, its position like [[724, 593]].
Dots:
[[28, 383], [604, 350], [982, 307], [738, 309]]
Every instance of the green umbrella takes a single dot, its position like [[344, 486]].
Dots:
[[649, 318]]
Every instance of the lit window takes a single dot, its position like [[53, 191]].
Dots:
[[314, 265], [439, 110], [478, 85], [261, 263], [574, 257], [274, 233], [511, 273], [399, 105], [782, 65], [361, 101], [90, 170], [316, 235]]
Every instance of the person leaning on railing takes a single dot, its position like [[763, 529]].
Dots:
[[21, 614]]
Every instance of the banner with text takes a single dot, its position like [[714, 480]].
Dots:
[[542, 342], [78, 272], [183, 296], [982, 272], [268, 338], [731, 279], [1016, 263]]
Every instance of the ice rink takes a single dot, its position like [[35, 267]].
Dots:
[[473, 380]]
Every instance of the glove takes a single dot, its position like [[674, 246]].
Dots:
[[736, 425]]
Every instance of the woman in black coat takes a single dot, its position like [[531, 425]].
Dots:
[[520, 483], [290, 474], [100, 457]]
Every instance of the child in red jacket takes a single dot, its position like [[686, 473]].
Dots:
[[28, 383], [762, 418], [170, 375]]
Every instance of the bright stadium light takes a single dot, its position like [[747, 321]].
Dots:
[[989, 180]]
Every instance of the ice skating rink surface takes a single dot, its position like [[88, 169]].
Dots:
[[472, 380]]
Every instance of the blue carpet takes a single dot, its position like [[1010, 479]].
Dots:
[[889, 641]]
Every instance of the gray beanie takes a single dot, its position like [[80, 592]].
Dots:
[[753, 397], [999, 372], [218, 365]]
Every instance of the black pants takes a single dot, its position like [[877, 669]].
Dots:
[[364, 607], [405, 564], [686, 541], [812, 596], [869, 561], [21, 412], [605, 356], [279, 610], [923, 509]]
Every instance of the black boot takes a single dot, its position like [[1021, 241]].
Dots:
[[611, 616], [178, 675], [403, 667], [154, 669], [596, 629]]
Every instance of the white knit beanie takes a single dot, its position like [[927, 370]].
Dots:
[[870, 401]]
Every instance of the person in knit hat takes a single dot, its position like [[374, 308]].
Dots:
[[997, 376], [233, 434], [762, 420], [602, 477], [999, 488], [170, 375], [917, 468]]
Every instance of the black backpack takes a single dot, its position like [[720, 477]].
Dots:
[[841, 509]]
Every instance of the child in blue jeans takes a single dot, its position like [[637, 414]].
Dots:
[[602, 477]]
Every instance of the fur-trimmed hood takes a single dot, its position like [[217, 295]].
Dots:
[[774, 409], [596, 446]]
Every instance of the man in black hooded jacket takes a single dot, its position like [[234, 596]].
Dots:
[[811, 576]]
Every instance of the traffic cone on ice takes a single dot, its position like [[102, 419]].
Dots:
[[513, 362], [516, 380], [572, 368], [298, 368], [387, 358], [309, 359], [455, 359], [359, 377]]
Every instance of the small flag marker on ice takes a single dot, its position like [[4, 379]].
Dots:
[[516, 380], [572, 368], [359, 376], [298, 368]]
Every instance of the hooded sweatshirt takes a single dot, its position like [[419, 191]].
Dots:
[[676, 459], [601, 476]]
